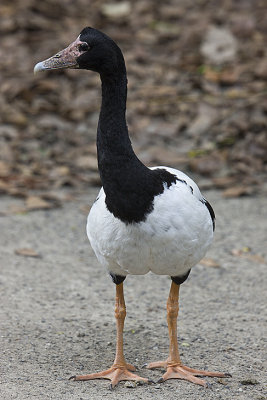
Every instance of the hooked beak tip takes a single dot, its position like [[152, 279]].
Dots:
[[39, 67]]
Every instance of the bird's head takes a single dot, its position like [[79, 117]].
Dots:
[[92, 50]]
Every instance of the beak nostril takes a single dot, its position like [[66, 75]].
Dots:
[[57, 55]]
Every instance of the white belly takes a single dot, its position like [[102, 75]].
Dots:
[[173, 238]]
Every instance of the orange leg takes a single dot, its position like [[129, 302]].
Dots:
[[175, 368], [120, 370]]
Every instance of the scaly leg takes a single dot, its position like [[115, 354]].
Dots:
[[120, 370], [173, 364]]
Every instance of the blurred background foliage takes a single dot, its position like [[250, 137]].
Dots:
[[197, 74]]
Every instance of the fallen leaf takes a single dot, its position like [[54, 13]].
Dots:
[[16, 209], [223, 181], [18, 192], [87, 162], [53, 198], [4, 169], [228, 76], [246, 249], [237, 191], [27, 252], [240, 252], [245, 253], [207, 164], [209, 262], [37, 203], [257, 258], [206, 117], [63, 170], [48, 122], [3, 186]]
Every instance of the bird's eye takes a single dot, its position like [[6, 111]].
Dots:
[[84, 47]]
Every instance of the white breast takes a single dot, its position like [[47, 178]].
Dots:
[[173, 238]]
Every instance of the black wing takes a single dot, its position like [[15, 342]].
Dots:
[[211, 211]]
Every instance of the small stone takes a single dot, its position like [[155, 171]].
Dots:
[[249, 381], [130, 384], [116, 10], [219, 45]]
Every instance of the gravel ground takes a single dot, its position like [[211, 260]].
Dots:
[[57, 310]]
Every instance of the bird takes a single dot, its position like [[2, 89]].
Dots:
[[144, 218]]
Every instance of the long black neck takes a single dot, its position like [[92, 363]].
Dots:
[[129, 185], [113, 141]]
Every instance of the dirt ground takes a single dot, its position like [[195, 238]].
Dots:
[[57, 309]]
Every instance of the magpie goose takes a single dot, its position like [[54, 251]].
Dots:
[[144, 219]]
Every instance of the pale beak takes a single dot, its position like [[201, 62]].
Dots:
[[66, 58]]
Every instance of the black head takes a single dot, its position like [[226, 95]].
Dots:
[[92, 50], [103, 55]]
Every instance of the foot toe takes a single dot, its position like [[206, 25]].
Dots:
[[189, 374], [115, 375], [157, 364]]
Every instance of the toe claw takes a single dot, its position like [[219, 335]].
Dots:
[[227, 375], [160, 380], [151, 382], [111, 387], [72, 378]]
